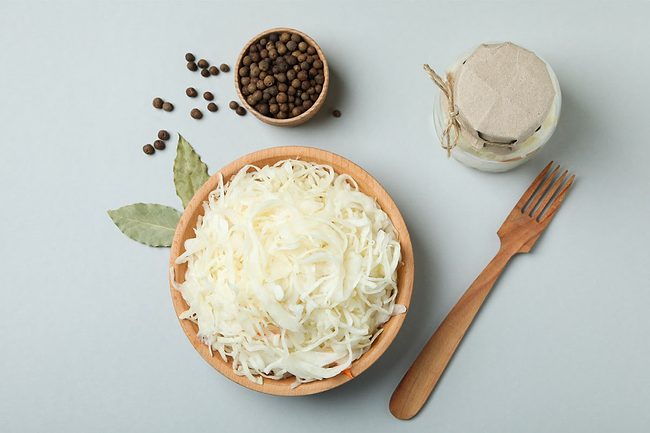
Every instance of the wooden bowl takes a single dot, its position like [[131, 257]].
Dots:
[[294, 121], [369, 186]]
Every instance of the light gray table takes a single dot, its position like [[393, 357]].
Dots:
[[89, 341]]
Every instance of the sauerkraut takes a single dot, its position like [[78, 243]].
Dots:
[[292, 271]]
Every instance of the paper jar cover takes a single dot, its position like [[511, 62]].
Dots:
[[503, 93]]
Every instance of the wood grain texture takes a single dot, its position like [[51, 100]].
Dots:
[[311, 112], [368, 185], [521, 229]]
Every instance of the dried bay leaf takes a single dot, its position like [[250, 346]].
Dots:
[[147, 223], [190, 173]]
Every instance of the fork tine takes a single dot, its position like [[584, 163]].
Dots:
[[540, 193], [555, 205], [549, 195], [532, 188]]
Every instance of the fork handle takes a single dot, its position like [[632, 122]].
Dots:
[[419, 381]]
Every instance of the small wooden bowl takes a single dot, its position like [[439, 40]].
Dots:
[[367, 185], [294, 121]]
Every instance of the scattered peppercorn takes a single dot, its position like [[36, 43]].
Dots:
[[212, 107], [224, 67], [191, 92], [233, 105], [158, 103], [148, 149], [213, 70], [203, 63], [205, 73], [336, 113], [168, 106], [208, 96], [281, 75], [241, 111], [196, 113], [192, 66], [190, 57], [163, 135], [159, 144]]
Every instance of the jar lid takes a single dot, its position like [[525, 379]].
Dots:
[[503, 93]]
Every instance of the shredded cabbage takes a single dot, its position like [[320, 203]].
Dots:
[[292, 271]]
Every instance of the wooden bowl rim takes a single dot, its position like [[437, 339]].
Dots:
[[294, 121], [366, 183]]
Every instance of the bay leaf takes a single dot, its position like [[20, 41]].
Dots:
[[190, 173], [148, 223]]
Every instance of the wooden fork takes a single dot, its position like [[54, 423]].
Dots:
[[518, 234]]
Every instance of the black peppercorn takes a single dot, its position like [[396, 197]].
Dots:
[[159, 144], [163, 135], [336, 113], [196, 113], [262, 109], [158, 103], [148, 149], [191, 92]]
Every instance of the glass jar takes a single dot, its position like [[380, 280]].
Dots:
[[498, 159]]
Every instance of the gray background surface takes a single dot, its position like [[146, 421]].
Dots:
[[89, 341]]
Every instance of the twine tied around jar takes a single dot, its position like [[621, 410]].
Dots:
[[446, 86], [452, 114]]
